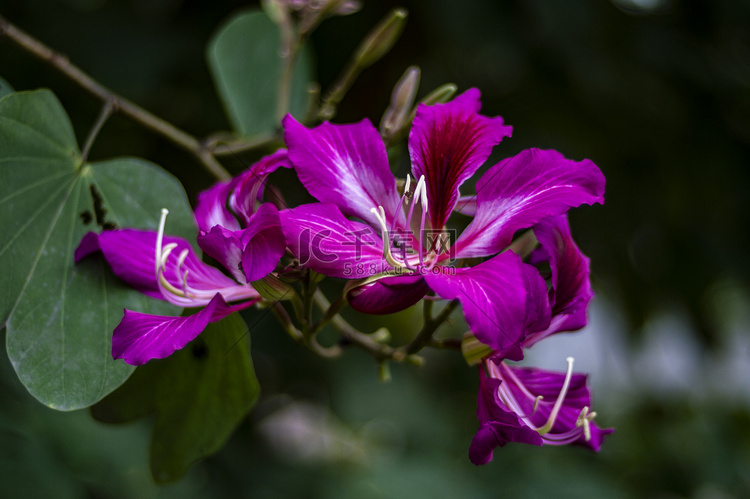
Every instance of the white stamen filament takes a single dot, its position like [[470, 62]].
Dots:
[[408, 184], [160, 238], [183, 256], [560, 399], [165, 252], [380, 216]]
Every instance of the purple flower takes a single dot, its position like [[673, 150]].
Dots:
[[235, 228], [398, 245], [533, 406]]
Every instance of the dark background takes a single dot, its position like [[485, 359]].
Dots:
[[655, 92]]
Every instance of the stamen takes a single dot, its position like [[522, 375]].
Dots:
[[165, 252], [160, 238], [424, 214], [408, 184], [560, 399], [380, 215], [183, 256], [584, 419]]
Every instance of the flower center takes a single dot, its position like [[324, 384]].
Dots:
[[397, 239]]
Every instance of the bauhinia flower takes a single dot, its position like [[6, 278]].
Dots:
[[395, 246], [235, 228], [518, 404], [533, 406]]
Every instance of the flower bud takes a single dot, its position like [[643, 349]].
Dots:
[[381, 39], [402, 100]]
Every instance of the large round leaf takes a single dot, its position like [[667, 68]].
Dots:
[[60, 316], [244, 60], [199, 395]]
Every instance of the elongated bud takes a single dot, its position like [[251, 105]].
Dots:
[[440, 95], [473, 349], [402, 100], [272, 288], [381, 39]]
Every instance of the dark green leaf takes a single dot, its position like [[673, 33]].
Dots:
[[199, 395], [60, 316], [246, 67], [5, 88]]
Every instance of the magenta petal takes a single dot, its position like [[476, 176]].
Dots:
[[345, 165], [388, 295], [225, 247], [327, 242], [230, 204], [264, 243], [518, 192], [142, 337], [571, 288], [447, 143], [531, 381], [249, 185], [132, 256], [499, 299], [498, 425], [211, 208]]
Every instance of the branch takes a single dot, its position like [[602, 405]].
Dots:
[[430, 326], [119, 103]]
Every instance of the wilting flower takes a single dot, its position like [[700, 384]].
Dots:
[[346, 168], [235, 228], [518, 404]]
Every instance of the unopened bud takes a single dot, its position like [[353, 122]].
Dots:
[[381, 39], [402, 100], [442, 94]]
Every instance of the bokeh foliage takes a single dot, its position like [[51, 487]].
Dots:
[[658, 97]]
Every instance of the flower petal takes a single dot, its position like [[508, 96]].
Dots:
[[211, 208], [345, 165], [264, 243], [447, 143], [520, 191], [251, 253], [498, 426], [327, 242], [525, 384], [142, 337], [571, 288], [231, 203], [500, 299], [224, 246], [249, 185], [132, 256], [388, 295]]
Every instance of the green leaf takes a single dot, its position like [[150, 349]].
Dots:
[[199, 395], [60, 316], [5, 87], [244, 60]]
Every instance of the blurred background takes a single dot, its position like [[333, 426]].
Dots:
[[655, 92]]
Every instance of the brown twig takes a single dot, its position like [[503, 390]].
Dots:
[[119, 104]]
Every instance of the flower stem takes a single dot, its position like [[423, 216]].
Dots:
[[429, 327], [119, 104]]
